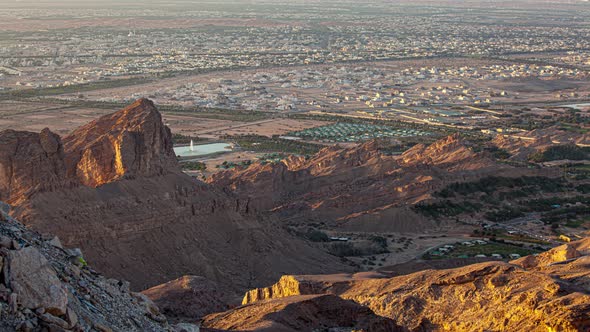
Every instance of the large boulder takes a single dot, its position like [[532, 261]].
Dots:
[[36, 282]]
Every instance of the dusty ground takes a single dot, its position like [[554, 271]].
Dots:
[[193, 126], [413, 246], [62, 119], [217, 160], [36, 116]]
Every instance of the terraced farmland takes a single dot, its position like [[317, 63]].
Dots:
[[354, 132]]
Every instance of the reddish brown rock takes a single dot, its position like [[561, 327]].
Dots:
[[39, 292], [133, 211], [359, 188], [30, 162], [492, 296], [450, 153], [129, 143]]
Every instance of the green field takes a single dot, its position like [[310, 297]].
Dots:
[[354, 132], [462, 251]]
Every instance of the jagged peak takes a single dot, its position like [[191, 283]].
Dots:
[[448, 151], [133, 141], [141, 112]]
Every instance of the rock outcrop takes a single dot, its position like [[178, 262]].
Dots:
[[450, 153], [126, 144], [129, 143], [493, 296], [29, 163], [42, 288], [114, 189], [556, 255]]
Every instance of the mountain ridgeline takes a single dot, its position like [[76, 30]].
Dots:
[[212, 252]]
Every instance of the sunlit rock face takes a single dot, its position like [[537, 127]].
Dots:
[[115, 190], [131, 142], [30, 162], [491, 296]]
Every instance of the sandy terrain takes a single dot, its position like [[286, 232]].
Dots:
[[194, 126], [34, 117]]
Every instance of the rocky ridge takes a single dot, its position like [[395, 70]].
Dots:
[[301, 313], [548, 292], [29, 163], [113, 188], [361, 187]]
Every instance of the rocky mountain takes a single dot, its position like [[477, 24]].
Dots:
[[130, 143], [548, 292], [113, 188], [44, 287], [358, 188]]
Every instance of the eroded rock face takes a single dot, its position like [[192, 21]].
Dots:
[[35, 282], [450, 152], [130, 209], [556, 255], [491, 296], [360, 187], [30, 162], [131, 142]]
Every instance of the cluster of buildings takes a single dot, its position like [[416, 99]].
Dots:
[[333, 88], [286, 37], [449, 248]]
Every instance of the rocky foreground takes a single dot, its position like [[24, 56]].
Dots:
[[548, 292], [44, 287]]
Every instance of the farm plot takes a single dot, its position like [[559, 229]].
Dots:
[[354, 132]]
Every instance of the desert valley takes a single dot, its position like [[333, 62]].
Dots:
[[294, 166]]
